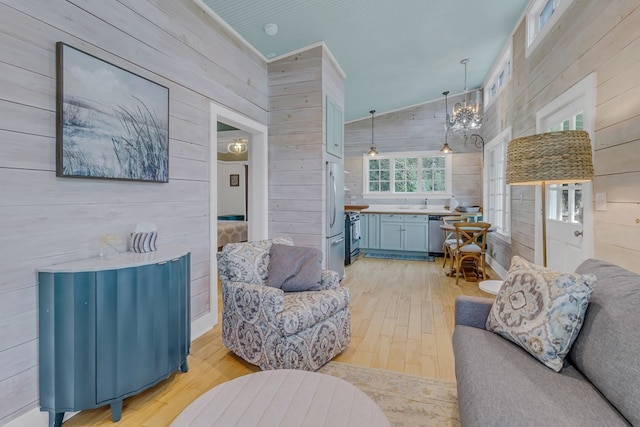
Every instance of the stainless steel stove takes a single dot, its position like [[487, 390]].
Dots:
[[351, 237]]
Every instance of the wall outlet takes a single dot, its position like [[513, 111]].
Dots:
[[601, 201]]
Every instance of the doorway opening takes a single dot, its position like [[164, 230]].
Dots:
[[257, 197]]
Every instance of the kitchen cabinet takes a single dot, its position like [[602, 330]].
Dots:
[[404, 232], [364, 231], [334, 129], [111, 328], [370, 231]]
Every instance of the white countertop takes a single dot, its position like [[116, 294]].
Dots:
[[408, 209], [122, 260]]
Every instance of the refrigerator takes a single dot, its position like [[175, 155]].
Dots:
[[335, 218]]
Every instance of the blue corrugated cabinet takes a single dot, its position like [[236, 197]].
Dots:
[[111, 328]]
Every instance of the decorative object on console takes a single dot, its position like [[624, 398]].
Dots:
[[117, 129], [372, 151], [549, 158], [143, 239], [109, 243], [541, 310]]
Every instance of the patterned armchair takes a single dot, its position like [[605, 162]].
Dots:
[[275, 329]]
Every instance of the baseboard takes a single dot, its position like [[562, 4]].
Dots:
[[496, 267], [203, 324]]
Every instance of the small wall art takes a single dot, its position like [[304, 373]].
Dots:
[[110, 122], [234, 180]]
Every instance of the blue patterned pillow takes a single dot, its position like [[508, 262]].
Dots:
[[541, 310]]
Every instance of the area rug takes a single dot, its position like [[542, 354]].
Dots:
[[403, 257], [406, 400]]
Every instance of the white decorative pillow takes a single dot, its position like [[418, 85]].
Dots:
[[541, 310]]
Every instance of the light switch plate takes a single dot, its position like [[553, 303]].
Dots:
[[601, 201]]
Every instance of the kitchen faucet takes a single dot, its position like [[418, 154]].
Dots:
[[426, 203]]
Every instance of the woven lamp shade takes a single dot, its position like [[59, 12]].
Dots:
[[553, 157]]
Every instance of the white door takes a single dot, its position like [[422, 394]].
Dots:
[[569, 210]]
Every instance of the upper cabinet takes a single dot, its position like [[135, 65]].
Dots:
[[334, 129]]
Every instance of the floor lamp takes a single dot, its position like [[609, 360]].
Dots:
[[549, 158]]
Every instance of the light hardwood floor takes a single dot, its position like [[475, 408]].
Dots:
[[402, 320]]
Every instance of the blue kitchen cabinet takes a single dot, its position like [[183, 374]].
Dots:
[[111, 328], [373, 229], [391, 232], [364, 231], [369, 231], [334, 129], [416, 233], [408, 233]]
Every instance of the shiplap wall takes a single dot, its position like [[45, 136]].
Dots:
[[46, 220], [591, 36], [418, 128], [298, 85]]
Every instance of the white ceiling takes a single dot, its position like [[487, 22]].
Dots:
[[395, 53]]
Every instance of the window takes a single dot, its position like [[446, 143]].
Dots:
[[407, 173], [499, 75], [541, 16], [546, 13], [497, 203]]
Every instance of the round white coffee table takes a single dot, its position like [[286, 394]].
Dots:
[[283, 397], [491, 286]]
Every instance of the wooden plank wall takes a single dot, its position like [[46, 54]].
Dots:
[[46, 220], [418, 128], [297, 199], [592, 36]]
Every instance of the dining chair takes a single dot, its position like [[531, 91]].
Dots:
[[471, 245], [450, 238]]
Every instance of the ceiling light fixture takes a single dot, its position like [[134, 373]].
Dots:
[[466, 117], [238, 146], [271, 29], [478, 141], [372, 151]]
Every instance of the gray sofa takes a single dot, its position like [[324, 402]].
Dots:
[[500, 384]]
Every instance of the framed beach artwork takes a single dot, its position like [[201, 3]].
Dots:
[[110, 123]]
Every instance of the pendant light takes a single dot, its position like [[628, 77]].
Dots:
[[372, 151], [445, 148]]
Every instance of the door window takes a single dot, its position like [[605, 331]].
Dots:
[[565, 200]]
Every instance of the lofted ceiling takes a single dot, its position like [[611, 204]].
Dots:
[[395, 53]]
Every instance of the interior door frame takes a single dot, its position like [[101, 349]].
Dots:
[[258, 192], [584, 92]]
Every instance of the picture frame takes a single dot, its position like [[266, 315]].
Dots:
[[110, 122], [234, 180]]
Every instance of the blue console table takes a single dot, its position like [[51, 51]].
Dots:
[[111, 328]]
